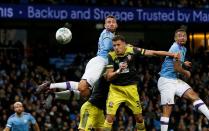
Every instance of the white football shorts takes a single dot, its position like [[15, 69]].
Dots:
[[168, 88], [94, 70]]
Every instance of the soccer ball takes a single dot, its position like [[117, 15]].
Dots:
[[63, 35]]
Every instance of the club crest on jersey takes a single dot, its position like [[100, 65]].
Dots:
[[25, 120], [110, 104], [129, 57]]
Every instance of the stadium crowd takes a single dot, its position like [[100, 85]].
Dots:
[[129, 3], [19, 76]]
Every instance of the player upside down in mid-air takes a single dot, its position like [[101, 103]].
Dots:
[[94, 67]]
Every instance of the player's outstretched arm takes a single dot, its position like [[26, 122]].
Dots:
[[110, 74], [161, 53], [180, 69]]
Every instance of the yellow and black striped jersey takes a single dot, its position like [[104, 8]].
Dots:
[[129, 75]]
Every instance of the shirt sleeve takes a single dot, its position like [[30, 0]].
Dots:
[[174, 49], [107, 43], [139, 52], [110, 62], [9, 123], [32, 119]]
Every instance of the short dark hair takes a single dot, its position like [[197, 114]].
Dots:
[[119, 37], [180, 30], [110, 16]]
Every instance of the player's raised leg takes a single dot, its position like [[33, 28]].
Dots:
[[68, 85], [197, 102]]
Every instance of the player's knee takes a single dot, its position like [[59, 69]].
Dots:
[[194, 97], [139, 118], [83, 86], [109, 118], [84, 89], [191, 95]]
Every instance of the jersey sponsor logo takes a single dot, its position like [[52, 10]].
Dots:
[[126, 70]]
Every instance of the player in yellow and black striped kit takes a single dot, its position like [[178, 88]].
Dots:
[[122, 74], [92, 111]]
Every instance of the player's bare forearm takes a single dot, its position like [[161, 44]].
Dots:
[[163, 53], [36, 127], [180, 69], [110, 74], [159, 53]]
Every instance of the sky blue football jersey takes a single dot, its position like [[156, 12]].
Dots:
[[22, 123], [167, 69], [105, 43]]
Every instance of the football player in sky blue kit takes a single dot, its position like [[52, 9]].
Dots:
[[94, 67], [21, 121], [170, 85]]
